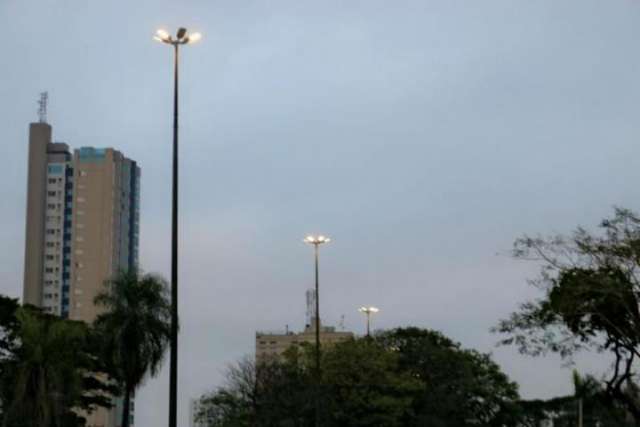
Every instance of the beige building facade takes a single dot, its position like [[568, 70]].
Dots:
[[104, 226], [82, 226], [273, 344]]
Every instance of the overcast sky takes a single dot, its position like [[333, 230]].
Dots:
[[422, 136]]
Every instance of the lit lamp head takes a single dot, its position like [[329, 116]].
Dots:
[[182, 37], [368, 310], [316, 240]]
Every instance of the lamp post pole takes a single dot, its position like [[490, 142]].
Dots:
[[316, 241], [173, 367], [368, 311], [317, 319], [180, 39], [368, 324]]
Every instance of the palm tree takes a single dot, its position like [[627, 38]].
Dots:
[[135, 329], [585, 388]]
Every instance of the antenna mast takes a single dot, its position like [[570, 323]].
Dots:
[[42, 109], [311, 306]]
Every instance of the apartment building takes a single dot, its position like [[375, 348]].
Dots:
[[82, 225]]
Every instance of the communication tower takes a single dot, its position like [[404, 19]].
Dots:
[[42, 107]]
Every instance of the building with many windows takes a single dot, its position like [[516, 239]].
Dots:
[[82, 225]]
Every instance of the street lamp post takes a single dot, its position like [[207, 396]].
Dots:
[[316, 241], [368, 311], [181, 38]]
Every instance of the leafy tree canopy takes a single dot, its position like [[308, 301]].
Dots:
[[403, 377], [49, 369], [590, 285]]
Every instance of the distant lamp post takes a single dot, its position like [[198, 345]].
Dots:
[[181, 38], [316, 241], [368, 311]]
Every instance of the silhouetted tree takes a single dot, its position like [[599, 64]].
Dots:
[[404, 377], [49, 369], [590, 286], [135, 329]]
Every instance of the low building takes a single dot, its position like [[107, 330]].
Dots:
[[274, 344]]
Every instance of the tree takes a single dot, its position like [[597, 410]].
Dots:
[[363, 385], [405, 377], [459, 387], [273, 392], [48, 369], [135, 328], [591, 287], [597, 408]]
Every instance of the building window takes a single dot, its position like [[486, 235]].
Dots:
[[51, 193]]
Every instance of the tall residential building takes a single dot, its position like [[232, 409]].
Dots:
[[104, 226], [48, 231], [82, 227]]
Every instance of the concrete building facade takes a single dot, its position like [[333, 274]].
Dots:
[[274, 344], [105, 224], [82, 226], [48, 239]]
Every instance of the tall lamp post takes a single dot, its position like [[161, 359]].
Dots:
[[316, 241], [181, 38], [368, 311]]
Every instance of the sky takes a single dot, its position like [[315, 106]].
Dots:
[[423, 137]]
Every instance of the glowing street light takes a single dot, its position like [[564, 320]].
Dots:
[[316, 241], [182, 37], [368, 311]]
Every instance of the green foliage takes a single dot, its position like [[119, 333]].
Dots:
[[598, 408], [590, 286], [459, 387], [135, 329], [48, 369], [404, 377], [363, 385]]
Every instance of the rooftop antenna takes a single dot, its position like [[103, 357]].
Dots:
[[311, 306], [42, 109]]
